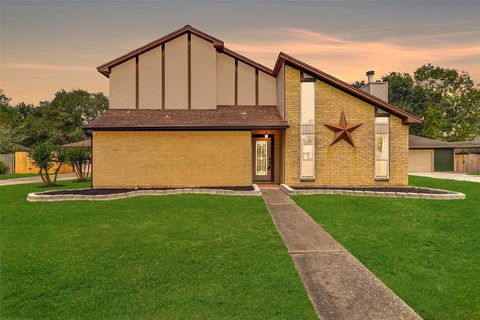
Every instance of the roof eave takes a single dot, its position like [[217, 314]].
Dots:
[[178, 128], [105, 67], [406, 117]]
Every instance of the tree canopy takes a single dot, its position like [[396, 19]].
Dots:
[[448, 101], [53, 122]]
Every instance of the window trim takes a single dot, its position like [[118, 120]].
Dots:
[[313, 134], [387, 176]]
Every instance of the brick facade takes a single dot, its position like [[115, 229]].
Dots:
[[129, 159], [340, 164]]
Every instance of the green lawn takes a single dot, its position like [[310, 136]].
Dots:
[[170, 257], [426, 251], [17, 175]]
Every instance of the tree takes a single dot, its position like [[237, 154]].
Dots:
[[80, 159], [8, 114], [447, 100], [11, 138], [47, 156], [61, 120]]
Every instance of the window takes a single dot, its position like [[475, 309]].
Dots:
[[382, 148], [307, 130]]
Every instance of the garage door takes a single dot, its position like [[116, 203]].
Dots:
[[420, 161], [444, 160]]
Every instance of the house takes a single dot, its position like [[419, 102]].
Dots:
[[430, 155], [82, 143], [187, 111]]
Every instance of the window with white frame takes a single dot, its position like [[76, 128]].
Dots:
[[382, 147], [307, 129]]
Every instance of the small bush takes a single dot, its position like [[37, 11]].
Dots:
[[80, 158], [3, 167]]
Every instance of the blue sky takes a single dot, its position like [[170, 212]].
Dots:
[[46, 46]]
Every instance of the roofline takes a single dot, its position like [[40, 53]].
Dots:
[[246, 60], [105, 68], [408, 118], [432, 147], [188, 128]]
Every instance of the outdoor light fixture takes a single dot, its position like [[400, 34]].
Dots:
[[266, 135]]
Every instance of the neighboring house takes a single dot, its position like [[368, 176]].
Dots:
[[187, 111], [430, 155], [87, 143]]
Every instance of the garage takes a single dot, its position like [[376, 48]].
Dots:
[[444, 160], [420, 160], [429, 155]]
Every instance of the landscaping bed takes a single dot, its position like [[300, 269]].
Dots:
[[113, 194], [96, 191], [393, 192]]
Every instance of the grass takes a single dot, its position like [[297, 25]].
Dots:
[[17, 175], [426, 251], [170, 257], [475, 174]]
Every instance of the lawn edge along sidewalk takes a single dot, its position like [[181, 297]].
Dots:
[[338, 285]]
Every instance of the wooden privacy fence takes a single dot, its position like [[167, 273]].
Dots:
[[23, 164], [467, 163], [9, 159]]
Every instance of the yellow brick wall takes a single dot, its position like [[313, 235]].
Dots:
[[126, 159], [341, 164]]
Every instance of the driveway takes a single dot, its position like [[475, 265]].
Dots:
[[447, 175], [9, 182]]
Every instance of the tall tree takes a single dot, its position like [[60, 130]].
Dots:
[[447, 100]]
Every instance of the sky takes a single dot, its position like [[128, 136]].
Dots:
[[50, 45]]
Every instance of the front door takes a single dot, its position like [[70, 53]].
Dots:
[[262, 158]]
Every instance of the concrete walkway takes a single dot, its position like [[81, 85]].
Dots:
[[339, 286], [447, 175], [9, 182]]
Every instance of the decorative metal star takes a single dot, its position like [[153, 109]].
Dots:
[[343, 131]]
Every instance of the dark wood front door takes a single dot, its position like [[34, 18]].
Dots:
[[262, 158]]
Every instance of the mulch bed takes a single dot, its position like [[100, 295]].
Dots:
[[94, 192], [379, 189]]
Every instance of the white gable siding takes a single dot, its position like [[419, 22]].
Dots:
[[267, 89], [203, 74], [246, 84], [225, 79], [123, 86], [150, 79], [176, 73]]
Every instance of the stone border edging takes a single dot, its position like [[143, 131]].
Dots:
[[43, 196], [389, 194]]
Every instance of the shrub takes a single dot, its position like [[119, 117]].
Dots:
[[80, 158], [3, 167], [46, 156]]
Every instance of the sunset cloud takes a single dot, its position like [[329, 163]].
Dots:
[[46, 67], [349, 58]]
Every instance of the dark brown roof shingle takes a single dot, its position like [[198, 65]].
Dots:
[[224, 117]]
